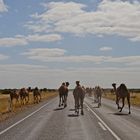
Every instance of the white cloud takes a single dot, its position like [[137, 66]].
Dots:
[[59, 55], [45, 52], [20, 40], [128, 60], [111, 18], [23, 75], [135, 39], [10, 42], [14, 68], [44, 38], [105, 49], [3, 57], [3, 7]]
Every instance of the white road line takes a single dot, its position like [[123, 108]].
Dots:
[[109, 129], [87, 108], [102, 126], [5, 130]]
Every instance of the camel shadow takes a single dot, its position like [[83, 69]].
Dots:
[[73, 115], [57, 109], [95, 107], [72, 109], [120, 114]]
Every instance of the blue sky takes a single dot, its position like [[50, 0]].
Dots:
[[45, 42]]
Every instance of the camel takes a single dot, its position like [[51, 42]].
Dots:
[[98, 94], [63, 93], [23, 94], [14, 94], [122, 93], [37, 95], [79, 94], [66, 94]]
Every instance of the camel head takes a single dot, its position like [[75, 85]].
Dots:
[[114, 86]]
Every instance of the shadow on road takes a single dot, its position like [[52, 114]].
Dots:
[[57, 109], [73, 115], [119, 114], [72, 109], [95, 107]]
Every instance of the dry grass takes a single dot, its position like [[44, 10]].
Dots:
[[134, 97], [4, 101]]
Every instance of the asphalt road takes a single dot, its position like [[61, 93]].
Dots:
[[47, 121]]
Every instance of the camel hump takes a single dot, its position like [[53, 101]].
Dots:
[[123, 89]]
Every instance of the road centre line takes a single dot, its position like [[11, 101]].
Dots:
[[102, 126], [18, 122], [109, 129], [88, 109]]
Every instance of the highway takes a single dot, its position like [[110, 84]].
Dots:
[[47, 121]]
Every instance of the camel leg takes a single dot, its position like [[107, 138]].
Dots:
[[81, 102], [37, 99], [17, 101], [123, 100], [77, 106], [10, 105], [117, 102], [40, 97], [59, 100], [25, 100], [34, 99], [99, 101], [62, 99], [28, 99], [128, 100], [65, 101], [21, 101]]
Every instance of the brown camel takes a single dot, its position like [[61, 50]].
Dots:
[[24, 95], [122, 93], [14, 94], [63, 93], [36, 95], [98, 94], [79, 94]]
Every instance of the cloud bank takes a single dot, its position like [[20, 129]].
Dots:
[[111, 18]]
